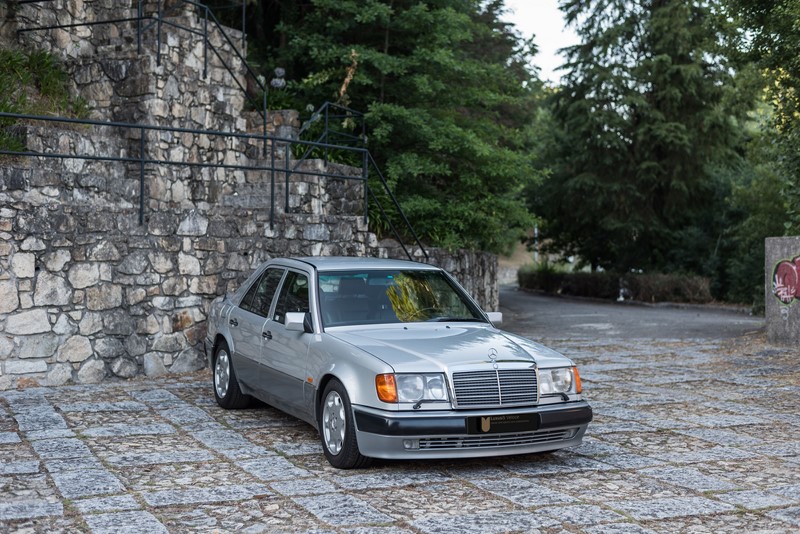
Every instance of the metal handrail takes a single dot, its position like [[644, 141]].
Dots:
[[322, 142], [142, 160], [397, 205]]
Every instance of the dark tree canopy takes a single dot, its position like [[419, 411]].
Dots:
[[449, 97], [645, 116]]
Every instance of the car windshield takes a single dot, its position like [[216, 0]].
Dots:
[[374, 297]]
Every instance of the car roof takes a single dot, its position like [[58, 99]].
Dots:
[[346, 263]]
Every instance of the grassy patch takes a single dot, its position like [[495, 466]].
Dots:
[[33, 82]]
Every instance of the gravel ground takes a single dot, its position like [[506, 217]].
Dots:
[[688, 436]]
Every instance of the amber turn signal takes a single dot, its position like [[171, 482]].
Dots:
[[578, 387], [387, 388]]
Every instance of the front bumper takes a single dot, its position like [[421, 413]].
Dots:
[[444, 434]]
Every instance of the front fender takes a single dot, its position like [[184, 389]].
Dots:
[[355, 368]]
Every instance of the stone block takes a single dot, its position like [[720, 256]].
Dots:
[[83, 275], [51, 290], [39, 346], [188, 360], [9, 298], [55, 261], [174, 285], [162, 263], [134, 263], [135, 345], [124, 367], [169, 343], [32, 243], [23, 265], [6, 346], [163, 303], [104, 251], [135, 296], [103, 297], [64, 326], [21, 367], [28, 322], [75, 349], [154, 365], [188, 264], [108, 348], [194, 224], [204, 285], [782, 290], [59, 374], [91, 323], [92, 372], [118, 323]]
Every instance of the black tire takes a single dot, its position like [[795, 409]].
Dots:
[[339, 442], [224, 383]]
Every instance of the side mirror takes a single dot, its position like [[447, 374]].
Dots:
[[299, 322], [495, 317]]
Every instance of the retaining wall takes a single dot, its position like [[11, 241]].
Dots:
[[86, 291]]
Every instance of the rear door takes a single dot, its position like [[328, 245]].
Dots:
[[247, 325]]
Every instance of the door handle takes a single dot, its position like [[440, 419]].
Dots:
[[267, 334], [234, 322]]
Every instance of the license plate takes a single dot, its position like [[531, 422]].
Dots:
[[499, 424]]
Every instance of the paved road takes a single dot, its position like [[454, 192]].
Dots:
[[536, 315], [696, 435]]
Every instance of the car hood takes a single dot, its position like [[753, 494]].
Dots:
[[422, 347]]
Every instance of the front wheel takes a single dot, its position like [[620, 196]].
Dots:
[[226, 387], [336, 429]]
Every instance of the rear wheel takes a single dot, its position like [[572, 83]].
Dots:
[[337, 430], [226, 387]]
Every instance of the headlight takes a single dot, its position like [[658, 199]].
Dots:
[[562, 380], [411, 387]]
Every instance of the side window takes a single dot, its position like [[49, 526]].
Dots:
[[259, 297], [293, 297]]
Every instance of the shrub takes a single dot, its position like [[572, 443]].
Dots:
[[641, 287]]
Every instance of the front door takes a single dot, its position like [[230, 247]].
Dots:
[[284, 352]]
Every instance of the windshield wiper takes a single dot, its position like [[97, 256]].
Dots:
[[455, 320]]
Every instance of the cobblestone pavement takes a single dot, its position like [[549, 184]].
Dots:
[[695, 436]]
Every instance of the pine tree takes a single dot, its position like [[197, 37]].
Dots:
[[450, 98], [644, 116]]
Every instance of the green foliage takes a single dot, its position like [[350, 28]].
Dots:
[[645, 118], [33, 82], [758, 206], [771, 37], [449, 99], [654, 287]]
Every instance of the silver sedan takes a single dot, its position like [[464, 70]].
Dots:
[[389, 359]]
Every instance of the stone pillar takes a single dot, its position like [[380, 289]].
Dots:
[[782, 290]]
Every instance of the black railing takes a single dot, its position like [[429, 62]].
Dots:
[[330, 139], [277, 146]]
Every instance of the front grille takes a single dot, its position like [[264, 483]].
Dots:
[[496, 388], [500, 440]]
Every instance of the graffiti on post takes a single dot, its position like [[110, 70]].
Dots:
[[786, 280]]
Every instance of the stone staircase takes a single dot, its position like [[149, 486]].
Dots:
[[86, 290]]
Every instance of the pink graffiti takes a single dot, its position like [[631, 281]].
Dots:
[[786, 280]]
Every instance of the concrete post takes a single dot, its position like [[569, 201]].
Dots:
[[782, 290]]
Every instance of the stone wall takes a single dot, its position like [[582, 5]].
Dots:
[[86, 291]]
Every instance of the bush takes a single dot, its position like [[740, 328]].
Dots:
[[640, 287], [668, 288], [33, 82]]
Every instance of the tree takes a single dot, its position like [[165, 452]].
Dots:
[[647, 112], [450, 99], [771, 37]]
